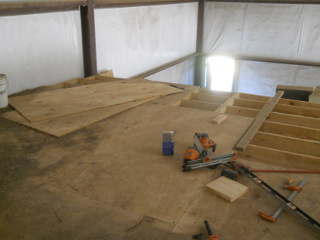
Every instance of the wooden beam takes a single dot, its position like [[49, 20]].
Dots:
[[248, 103], [165, 66], [299, 103], [253, 97], [199, 73], [199, 105], [294, 120], [272, 156], [32, 7], [208, 98], [88, 39], [241, 111], [289, 144], [270, 1], [223, 107], [135, 3], [301, 111], [291, 130], [261, 117], [215, 93]]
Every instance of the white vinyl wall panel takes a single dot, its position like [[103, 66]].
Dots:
[[274, 31], [40, 49], [262, 78], [136, 39]]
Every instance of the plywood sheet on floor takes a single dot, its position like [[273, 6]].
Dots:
[[57, 103], [63, 125]]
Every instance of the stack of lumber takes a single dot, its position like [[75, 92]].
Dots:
[[84, 102]]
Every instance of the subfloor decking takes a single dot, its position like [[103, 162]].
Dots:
[[110, 181]]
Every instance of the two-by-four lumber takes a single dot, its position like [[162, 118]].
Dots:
[[298, 103], [253, 97], [302, 111], [199, 105], [256, 124], [241, 111], [280, 158], [248, 103], [208, 98], [291, 130], [216, 93], [290, 144], [294, 120]]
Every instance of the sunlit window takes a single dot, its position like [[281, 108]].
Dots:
[[221, 72]]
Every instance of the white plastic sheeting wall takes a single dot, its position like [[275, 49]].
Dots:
[[137, 39], [40, 49], [277, 31]]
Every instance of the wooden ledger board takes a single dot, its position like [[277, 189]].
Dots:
[[62, 102]]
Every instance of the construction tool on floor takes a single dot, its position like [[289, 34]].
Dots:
[[274, 217], [210, 232], [283, 200], [196, 156]]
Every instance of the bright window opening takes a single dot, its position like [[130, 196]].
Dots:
[[221, 73]]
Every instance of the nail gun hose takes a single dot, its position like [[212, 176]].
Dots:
[[209, 230], [282, 171]]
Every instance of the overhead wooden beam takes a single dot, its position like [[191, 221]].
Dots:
[[270, 1], [199, 72], [135, 3], [289, 160], [291, 130], [32, 7], [261, 117], [165, 66], [88, 39], [290, 144], [199, 105]]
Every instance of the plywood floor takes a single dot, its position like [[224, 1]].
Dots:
[[110, 181]]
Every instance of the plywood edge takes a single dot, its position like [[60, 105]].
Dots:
[[280, 158], [256, 124], [296, 88]]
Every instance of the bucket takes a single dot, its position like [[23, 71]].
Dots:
[[3, 91]]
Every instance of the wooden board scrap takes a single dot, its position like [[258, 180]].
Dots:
[[63, 125], [62, 102], [227, 188]]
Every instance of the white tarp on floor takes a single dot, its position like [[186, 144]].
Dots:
[[136, 39], [275, 31]]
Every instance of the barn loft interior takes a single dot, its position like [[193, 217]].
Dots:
[[160, 119]]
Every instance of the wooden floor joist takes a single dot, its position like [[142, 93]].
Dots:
[[288, 160], [294, 120], [199, 105], [253, 97], [290, 144], [248, 103], [291, 130], [208, 98], [302, 111], [261, 117], [241, 111]]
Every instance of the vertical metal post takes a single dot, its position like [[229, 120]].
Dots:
[[88, 39], [200, 62]]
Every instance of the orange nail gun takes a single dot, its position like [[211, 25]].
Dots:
[[196, 156], [200, 148]]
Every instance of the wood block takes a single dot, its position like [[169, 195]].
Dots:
[[227, 188], [219, 119]]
